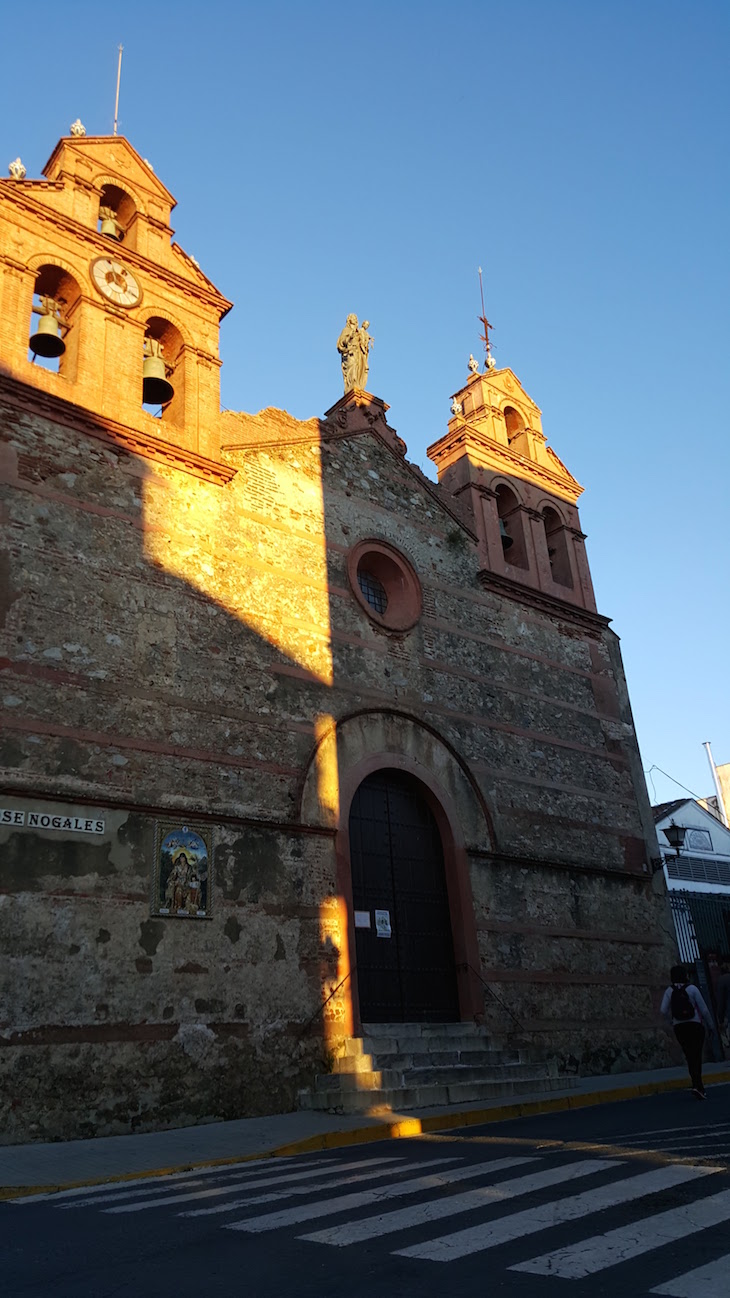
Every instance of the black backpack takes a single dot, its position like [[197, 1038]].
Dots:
[[682, 1007]]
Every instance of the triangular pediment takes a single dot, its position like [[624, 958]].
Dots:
[[507, 382], [110, 157]]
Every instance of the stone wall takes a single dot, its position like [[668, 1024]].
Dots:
[[172, 646]]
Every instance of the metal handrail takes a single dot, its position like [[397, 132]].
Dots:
[[493, 994], [326, 1001]]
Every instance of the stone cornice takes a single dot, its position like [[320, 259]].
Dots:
[[487, 453], [135, 441], [561, 609]]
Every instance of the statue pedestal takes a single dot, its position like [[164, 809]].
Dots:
[[360, 412], [358, 398]]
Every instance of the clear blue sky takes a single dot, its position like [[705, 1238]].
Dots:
[[361, 157]]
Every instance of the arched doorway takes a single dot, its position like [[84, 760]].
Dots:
[[404, 948]]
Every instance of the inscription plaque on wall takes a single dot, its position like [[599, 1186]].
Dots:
[[46, 820], [181, 885]]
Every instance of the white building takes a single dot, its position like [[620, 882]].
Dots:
[[703, 862]]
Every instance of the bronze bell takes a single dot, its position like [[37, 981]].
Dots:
[[47, 340], [505, 537], [110, 226], [156, 390]]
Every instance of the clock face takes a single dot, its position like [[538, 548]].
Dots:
[[115, 282]]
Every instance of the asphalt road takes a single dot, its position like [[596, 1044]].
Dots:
[[627, 1199]]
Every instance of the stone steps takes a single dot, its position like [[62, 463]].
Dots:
[[436, 1059], [397, 1066]]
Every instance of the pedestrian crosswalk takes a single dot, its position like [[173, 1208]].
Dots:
[[696, 1140], [578, 1216]]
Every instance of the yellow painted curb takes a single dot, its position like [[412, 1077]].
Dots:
[[403, 1128]]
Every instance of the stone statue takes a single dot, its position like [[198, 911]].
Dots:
[[354, 345], [365, 342]]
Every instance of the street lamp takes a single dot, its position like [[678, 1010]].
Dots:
[[674, 835]]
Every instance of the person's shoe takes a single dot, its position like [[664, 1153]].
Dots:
[[698, 1094]]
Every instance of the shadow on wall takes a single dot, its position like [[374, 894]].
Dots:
[[167, 657]]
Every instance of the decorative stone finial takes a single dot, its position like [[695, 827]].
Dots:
[[456, 407], [491, 363], [473, 365], [77, 127], [354, 345], [17, 170]]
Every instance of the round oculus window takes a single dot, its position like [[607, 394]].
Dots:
[[385, 585], [373, 590]]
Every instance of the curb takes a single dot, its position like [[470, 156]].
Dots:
[[405, 1128]]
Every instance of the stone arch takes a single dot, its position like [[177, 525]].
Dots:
[[103, 178], [512, 530], [514, 420], [364, 742], [77, 270], [160, 330], [557, 544], [54, 281]]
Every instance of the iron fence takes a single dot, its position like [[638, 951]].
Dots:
[[702, 924]]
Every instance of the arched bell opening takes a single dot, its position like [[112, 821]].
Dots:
[[116, 214], [514, 422], [162, 377], [53, 340], [557, 547], [511, 530]]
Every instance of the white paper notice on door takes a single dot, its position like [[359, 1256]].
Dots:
[[382, 923], [362, 919]]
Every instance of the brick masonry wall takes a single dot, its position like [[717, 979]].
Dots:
[[168, 644]]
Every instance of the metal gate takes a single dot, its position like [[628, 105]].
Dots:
[[403, 940], [702, 924]]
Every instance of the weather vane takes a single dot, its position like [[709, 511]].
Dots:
[[491, 363]]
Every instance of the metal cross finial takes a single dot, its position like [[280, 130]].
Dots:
[[487, 326]]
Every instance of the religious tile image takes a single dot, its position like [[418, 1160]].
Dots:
[[183, 854]]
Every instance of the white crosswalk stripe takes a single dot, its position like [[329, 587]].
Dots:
[[254, 1167], [320, 1187], [436, 1209], [615, 1246], [475, 1239], [710, 1281], [343, 1203], [235, 1182], [310, 1189], [233, 1186]]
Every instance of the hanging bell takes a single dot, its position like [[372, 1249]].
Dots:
[[156, 391], [47, 340], [504, 535], [109, 224], [110, 228]]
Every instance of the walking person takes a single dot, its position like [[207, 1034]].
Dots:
[[683, 1007]]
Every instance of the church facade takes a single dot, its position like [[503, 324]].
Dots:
[[293, 739]]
